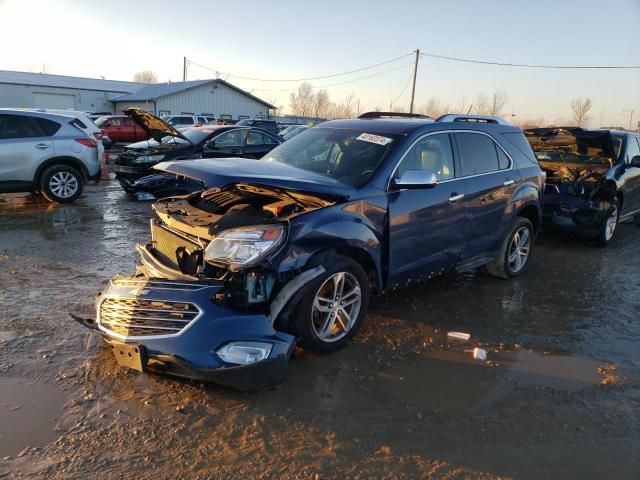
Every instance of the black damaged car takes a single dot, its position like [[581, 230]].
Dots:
[[167, 143], [288, 249], [593, 179]]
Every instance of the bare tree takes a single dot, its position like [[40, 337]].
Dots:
[[482, 106], [145, 76], [345, 109], [498, 102], [321, 103], [302, 100], [434, 108], [462, 106], [581, 108]]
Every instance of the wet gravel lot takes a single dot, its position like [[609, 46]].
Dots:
[[558, 397]]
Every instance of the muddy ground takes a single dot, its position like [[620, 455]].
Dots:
[[558, 397]]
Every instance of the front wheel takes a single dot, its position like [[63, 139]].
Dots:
[[332, 307], [513, 258], [609, 227], [61, 184]]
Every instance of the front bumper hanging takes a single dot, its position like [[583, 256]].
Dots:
[[175, 327]]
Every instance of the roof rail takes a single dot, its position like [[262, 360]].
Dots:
[[392, 115], [453, 117]]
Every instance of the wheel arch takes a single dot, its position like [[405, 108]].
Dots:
[[68, 161]]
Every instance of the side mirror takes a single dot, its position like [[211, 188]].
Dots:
[[210, 145], [635, 161], [416, 179]]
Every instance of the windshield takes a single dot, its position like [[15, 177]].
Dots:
[[246, 122], [350, 156], [570, 157], [196, 135]]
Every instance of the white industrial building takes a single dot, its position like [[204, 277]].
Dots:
[[214, 97]]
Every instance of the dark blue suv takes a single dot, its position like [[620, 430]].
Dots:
[[289, 248]]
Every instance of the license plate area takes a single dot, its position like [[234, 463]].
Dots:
[[130, 355]]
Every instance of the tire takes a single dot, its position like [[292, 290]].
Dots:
[[609, 226], [311, 321], [61, 184], [508, 264]]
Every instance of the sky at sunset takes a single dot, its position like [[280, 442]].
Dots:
[[293, 40]]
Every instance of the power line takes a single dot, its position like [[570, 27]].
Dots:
[[301, 79], [527, 65], [334, 84]]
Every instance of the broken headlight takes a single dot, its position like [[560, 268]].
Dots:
[[242, 247]]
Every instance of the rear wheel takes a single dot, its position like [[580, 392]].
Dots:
[[515, 252], [61, 184], [609, 227], [332, 307]]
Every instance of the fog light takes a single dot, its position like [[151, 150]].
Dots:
[[244, 353]]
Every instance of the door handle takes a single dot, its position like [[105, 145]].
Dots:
[[508, 183], [455, 197], [42, 146]]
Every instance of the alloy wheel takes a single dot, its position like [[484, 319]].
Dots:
[[611, 224], [63, 184], [519, 249], [336, 307]]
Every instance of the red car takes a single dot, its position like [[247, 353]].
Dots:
[[120, 128]]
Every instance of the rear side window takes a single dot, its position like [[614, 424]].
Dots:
[[49, 127], [257, 138], [518, 140], [234, 138], [17, 126], [478, 154]]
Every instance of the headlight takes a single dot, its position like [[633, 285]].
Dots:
[[244, 353], [148, 158], [241, 247]]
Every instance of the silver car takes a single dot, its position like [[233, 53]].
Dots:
[[46, 153]]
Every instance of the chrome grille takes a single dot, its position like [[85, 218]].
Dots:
[[131, 317]]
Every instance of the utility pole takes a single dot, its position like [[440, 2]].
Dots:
[[415, 74], [630, 118], [184, 69]]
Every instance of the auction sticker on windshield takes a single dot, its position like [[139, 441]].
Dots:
[[377, 139]]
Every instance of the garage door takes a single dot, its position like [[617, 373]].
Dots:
[[53, 100]]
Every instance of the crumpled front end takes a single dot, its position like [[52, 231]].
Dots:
[[176, 327], [576, 199]]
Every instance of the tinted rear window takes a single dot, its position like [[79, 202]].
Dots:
[[49, 127], [518, 140], [477, 154]]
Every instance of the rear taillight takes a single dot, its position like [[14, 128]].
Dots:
[[87, 142], [98, 135]]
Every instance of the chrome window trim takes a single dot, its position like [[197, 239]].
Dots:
[[395, 168]]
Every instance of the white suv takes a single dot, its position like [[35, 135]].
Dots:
[[188, 120], [46, 153]]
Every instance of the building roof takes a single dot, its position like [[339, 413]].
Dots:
[[154, 91], [63, 81]]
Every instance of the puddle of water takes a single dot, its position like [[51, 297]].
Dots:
[[454, 382], [27, 412], [7, 336]]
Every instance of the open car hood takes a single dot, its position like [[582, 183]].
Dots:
[[228, 171], [572, 140], [154, 126]]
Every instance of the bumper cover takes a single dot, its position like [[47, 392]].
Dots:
[[191, 352], [575, 214]]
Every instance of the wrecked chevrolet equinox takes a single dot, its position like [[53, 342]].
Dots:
[[289, 248], [593, 179]]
